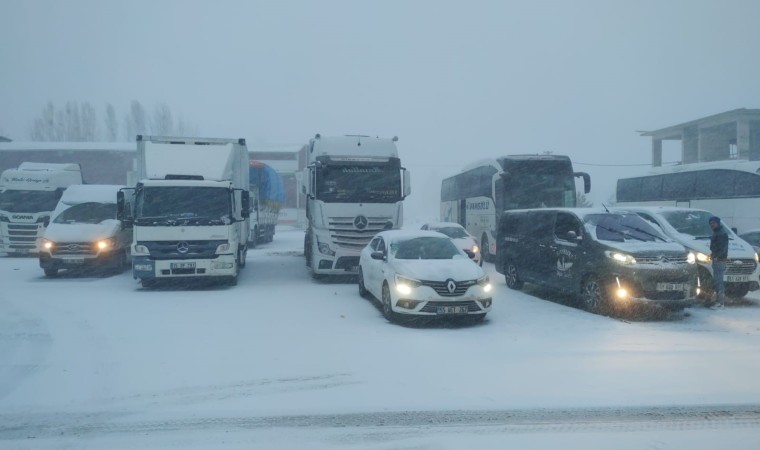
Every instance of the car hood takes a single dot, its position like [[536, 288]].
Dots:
[[737, 248], [642, 248], [81, 232], [458, 269]]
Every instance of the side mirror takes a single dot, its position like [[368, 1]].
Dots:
[[407, 183], [586, 181], [572, 236], [120, 205], [470, 253], [377, 255], [245, 204]]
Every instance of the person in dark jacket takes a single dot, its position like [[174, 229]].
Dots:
[[719, 254]]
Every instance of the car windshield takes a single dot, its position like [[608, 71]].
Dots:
[[452, 232], [90, 212], [695, 223], [424, 248], [621, 227]]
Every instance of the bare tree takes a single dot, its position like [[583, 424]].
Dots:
[[112, 127], [162, 122], [88, 122], [136, 121]]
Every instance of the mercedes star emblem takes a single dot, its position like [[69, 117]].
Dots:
[[183, 247], [360, 222]]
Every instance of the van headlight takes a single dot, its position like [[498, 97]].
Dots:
[[701, 257], [48, 244], [485, 283], [106, 244], [621, 258], [691, 258], [405, 285]]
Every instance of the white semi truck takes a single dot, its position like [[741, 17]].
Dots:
[[28, 195], [354, 187], [190, 209]]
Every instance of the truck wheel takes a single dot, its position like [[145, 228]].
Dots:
[[50, 272], [512, 277]]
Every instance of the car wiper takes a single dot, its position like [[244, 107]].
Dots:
[[701, 237], [645, 232]]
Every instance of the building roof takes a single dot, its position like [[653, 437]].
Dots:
[[675, 131]]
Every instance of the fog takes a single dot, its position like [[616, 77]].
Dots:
[[456, 81]]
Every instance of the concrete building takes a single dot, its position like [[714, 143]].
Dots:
[[729, 135]]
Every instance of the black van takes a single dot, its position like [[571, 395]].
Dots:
[[610, 259]]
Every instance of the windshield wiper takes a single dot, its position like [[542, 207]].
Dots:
[[645, 232]]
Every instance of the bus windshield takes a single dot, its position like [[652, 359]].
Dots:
[[540, 184], [359, 183]]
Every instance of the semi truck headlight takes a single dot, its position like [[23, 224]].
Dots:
[[621, 258], [223, 248], [324, 248], [141, 250]]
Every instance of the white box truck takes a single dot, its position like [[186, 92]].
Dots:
[[354, 187], [28, 195], [189, 210]]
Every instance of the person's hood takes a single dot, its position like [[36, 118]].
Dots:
[[82, 232], [458, 269]]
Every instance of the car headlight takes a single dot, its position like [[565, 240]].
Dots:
[[475, 248], [691, 258], [405, 285], [485, 283], [701, 257], [106, 244], [620, 258]]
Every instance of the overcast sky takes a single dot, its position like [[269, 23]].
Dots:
[[456, 81]]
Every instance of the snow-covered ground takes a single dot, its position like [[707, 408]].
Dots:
[[283, 361]]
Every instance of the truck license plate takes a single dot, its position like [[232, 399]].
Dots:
[[670, 286], [452, 310], [183, 265], [736, 278]]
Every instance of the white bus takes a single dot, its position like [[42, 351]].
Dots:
[[476, 197], [728, 189]]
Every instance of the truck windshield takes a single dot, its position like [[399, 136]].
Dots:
[[90, 212], [180, 205], [21, 201], [359, 183]]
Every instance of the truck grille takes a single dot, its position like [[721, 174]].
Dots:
[[356, 232], [21, 234], [182, 249]]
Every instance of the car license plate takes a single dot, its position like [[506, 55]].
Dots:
[[670, 286], [736, 278], [452, 310], [73, 260], [183, 265]]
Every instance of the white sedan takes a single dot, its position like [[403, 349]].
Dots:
[[459, 235], [422, 273]]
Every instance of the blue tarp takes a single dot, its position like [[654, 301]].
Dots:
[[268, 182]]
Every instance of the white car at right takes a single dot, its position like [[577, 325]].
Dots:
[[423, 274], [459, 235], [690, 228]]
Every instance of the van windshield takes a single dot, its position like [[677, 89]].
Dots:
[[694, 223], [621, 228], [90, 212]]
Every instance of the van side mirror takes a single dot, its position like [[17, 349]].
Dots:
[[572, 236]]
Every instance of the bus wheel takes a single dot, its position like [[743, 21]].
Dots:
[[512, 277]]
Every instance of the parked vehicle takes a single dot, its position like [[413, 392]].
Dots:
[[752, 237], [611, 260], [354, 187], [422, 273], [28, 195], [690, 227], [459, 235], [84, 232], [190, 209], [267, 196]]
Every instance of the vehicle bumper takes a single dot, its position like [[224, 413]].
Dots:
[[424, 301], [143, 267], [668, 289], [102, 260]]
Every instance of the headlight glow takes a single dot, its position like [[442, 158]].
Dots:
[[475, 248], [405, 285], [47, 244], [485, 283], [621, 258], [691, 258], [757, 258], [701, 257], [621, 293], [104, 244]]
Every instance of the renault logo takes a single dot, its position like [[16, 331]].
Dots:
[[183, 247], [451, 286], [360, 222]]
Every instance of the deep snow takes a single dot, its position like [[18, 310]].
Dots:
[[283, 361]]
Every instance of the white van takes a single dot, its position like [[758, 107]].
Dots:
[[690, 227], [85, 233]]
